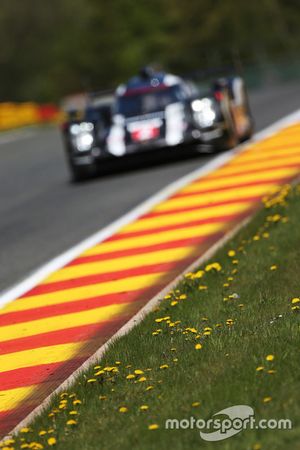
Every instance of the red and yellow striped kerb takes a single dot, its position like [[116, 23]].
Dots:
[[49, 331]]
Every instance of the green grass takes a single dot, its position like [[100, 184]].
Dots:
[[221, 374]]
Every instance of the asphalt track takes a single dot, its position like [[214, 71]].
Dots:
[[42, 214]]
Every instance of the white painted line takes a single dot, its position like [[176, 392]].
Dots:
[[137, 318], [55, 264]]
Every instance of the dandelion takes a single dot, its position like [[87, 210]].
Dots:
[[71, 422], [153, 426], [271, 371], [149, 388], [198, 346], [226, 285], [199, 274], [174, 303], [229, 322], [142, 379], [91, 380], [231, 253], [202, 287], [102, 397], [77, 402], [256, 447], [73, 413], [144, 407], [164, 366], [195, 404], [123, 409], [25, 430], [51, 441], [267, 399], [273, 267], [42, 433], [270, 358], [131, 376], [259, 368], [295, 300], [182, 297]]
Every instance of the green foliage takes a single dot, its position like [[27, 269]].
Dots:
[[49, 49]]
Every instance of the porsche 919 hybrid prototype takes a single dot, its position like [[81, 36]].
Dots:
[[154, 111]]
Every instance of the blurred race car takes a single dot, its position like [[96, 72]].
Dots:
[[163, 110], [157, 110]]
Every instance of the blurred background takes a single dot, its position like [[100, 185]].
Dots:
[[52, 49]]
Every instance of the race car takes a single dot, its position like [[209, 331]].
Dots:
[[163, 110], [156, 110]]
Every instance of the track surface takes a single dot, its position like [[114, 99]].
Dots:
[[42, 214]]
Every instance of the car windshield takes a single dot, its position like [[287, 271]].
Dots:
[[149, 102]]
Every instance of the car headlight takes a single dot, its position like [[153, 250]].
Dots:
[[204, 112], [82, 136]]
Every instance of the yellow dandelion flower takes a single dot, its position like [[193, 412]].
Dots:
[[91, 380], [271, 371], [295, 300], [231, 253], [295, 308], [73, 413], [174, 303], [142, 379], [97, 367], [199, 274], [175, 360], [123, 409], [71, 422], [42, 433], [182, 297], [153, 426], [25, 430], [225, 284], [235, 261], [131, 376], [273, 267], [100, 372], [259, 368], [198, 346], [173, 349], [149, 388], [164, 366], [256, 447], [32, 445], [195, 404], [144, 407], [202, 287], [267, 399], [77, 402], [102, 397], [51, 441], [270, 357], [138, 372]]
